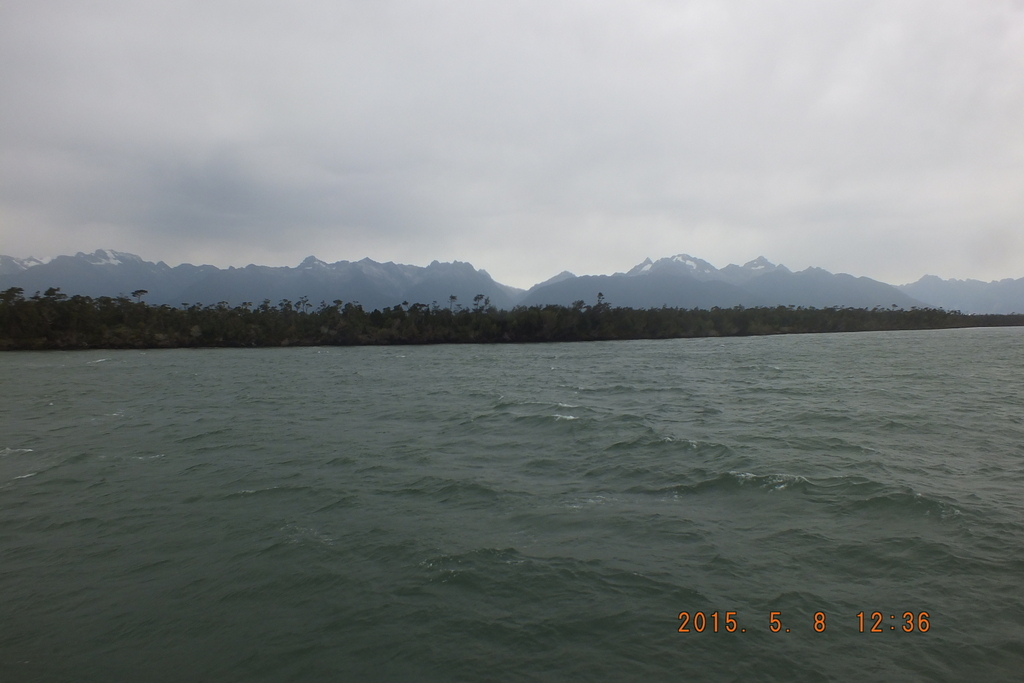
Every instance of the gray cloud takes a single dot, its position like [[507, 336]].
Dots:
[[877, 138]]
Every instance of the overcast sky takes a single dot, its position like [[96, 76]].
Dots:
[[526, 137]]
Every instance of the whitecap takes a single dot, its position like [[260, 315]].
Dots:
[[93, 362], [772, 482], [26, 476], [580, 503], [566, 417], [298, 534]]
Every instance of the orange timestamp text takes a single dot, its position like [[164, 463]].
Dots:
[[729, 622]]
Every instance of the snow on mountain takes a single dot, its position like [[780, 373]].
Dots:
[[106, 272], [695, 265], [638, 269], [702, 270], [682, 280], [687, 281], [737, 275], [680, 263], [311, 263], [10, 264], [109, 257]]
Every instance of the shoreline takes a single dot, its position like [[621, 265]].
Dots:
[[55, 321]]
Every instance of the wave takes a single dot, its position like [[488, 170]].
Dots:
[[507, 572], [737, 481], [846, 494], [448, 491], [14, 451]]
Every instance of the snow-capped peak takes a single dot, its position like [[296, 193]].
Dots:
[[10, 264], [641, 268], [760, 263], [108, 257], [678, 264], [311, 262], [694, 264]]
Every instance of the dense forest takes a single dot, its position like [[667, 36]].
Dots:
[[53, 320]]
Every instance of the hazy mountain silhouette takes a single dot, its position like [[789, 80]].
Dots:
[[689, 282], [677, 281], [371, 284], [969, 296]]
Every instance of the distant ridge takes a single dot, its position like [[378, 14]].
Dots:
[[371, 284], [969, 296], [682, 281], [685, 281]]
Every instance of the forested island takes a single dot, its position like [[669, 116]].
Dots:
[[53, 320]]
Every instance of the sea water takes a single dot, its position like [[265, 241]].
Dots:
[[517, 512]]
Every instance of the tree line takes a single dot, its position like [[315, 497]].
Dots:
[[53, 320]]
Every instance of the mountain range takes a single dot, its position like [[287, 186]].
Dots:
[[678, 281]]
